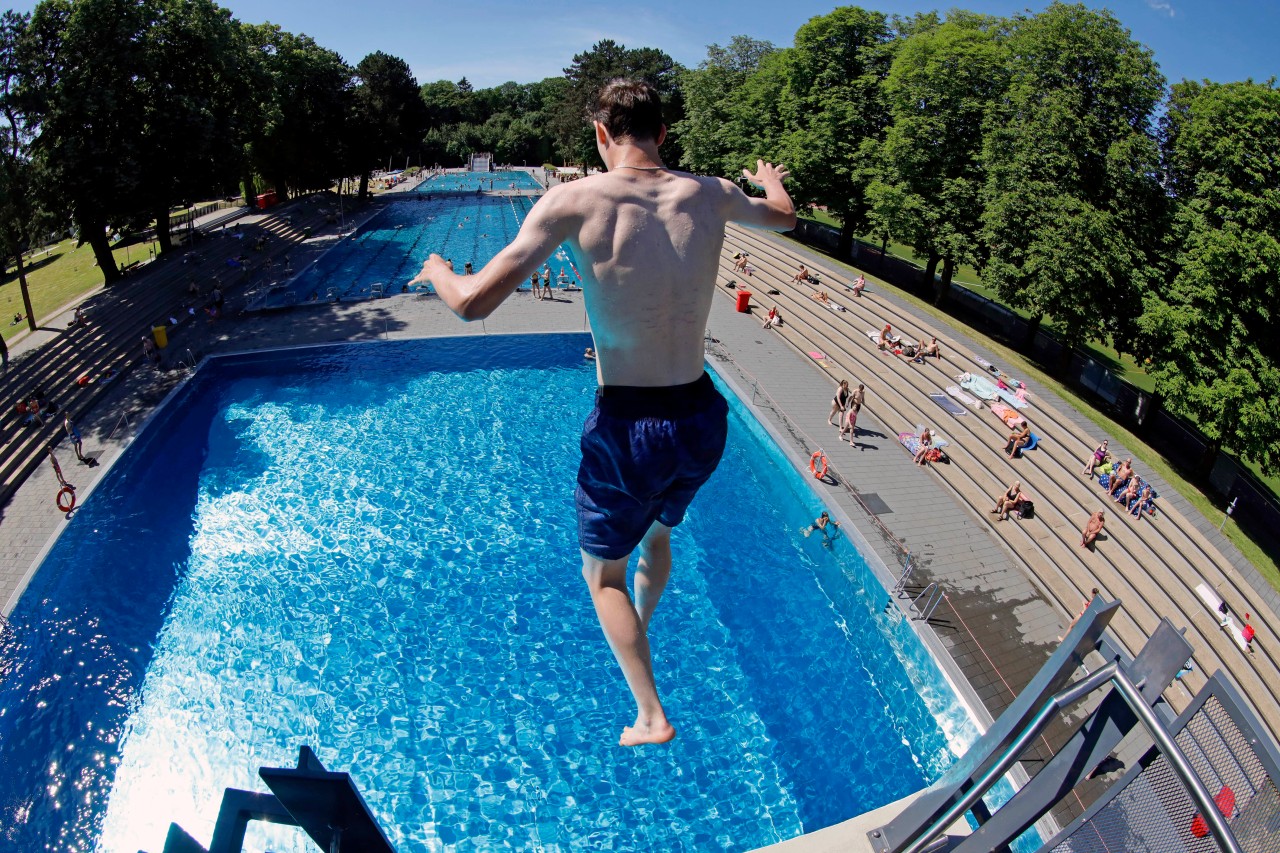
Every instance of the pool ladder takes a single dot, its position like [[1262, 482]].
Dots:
[[921, 605]]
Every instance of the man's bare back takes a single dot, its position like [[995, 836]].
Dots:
[[650, 240]]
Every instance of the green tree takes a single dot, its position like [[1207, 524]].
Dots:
[[587, 75], [834, 112], [83, 64], [715, 135], [18, 181], [1072, 207], [390, 115], [1210, 327], [940, 89], [305, 93], [192, 97]]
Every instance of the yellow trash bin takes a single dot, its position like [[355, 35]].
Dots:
[[161, 334]]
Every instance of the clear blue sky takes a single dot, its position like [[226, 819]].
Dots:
[[493, 41]]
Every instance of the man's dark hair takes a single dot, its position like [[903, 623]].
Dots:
[[629, 109]]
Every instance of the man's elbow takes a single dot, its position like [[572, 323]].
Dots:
[[473, 309]]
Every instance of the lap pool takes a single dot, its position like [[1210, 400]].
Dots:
[[371, 549]]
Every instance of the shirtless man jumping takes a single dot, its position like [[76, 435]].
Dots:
[[650, 239]]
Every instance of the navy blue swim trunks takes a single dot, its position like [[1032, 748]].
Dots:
[[645, 454]]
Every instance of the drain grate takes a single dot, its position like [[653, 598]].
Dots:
[[874, 503]]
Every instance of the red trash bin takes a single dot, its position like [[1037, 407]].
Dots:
[[744, 301]]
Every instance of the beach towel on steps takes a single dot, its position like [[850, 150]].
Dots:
[[1011, 418], [954, 391], [979, 386], [911, 441], [1011, 398]]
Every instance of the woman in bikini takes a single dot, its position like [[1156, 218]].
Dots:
[[1099, 456]]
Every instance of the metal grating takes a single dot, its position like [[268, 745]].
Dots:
[[1153, 813]]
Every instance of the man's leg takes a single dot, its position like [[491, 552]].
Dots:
[[653, 572], [607, 581]]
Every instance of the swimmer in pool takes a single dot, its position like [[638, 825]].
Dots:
[[647, 299]]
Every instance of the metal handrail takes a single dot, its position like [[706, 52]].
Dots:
[[1111, 673], [932, 595]]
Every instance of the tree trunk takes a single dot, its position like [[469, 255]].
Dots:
[[364, 185], [163, 237], [282, 190], [1204, 467], [250, 189], [844, 244], [930, 270], [26, 294], [102, 251], [1033, 326], [942, 289]]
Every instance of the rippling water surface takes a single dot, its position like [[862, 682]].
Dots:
[[372, 550]]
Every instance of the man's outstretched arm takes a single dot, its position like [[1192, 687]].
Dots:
[[474, 297], [775, 211]]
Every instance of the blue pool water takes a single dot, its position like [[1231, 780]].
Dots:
[[389, 249], [472, 181], [371, 549]]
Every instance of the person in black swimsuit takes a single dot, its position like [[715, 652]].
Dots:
[[839, 403]]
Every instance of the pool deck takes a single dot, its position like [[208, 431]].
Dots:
[[994, 628]]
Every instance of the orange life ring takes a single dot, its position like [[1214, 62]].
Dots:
[[70, 493], [818, 473]]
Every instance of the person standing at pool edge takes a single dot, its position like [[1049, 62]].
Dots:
[[650, 241]]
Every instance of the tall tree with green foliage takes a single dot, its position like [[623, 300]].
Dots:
[[940, 90], [1072, 208], [1209, 329], [390, 115], [83, 63], [587, 75], [834, 112], [305, 94], [717, 134], [18, 179], [193, 95]]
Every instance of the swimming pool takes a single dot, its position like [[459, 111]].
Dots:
[[371, 549], [472, 181], [389, 249]]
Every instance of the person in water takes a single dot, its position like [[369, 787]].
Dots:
[[659, 425]]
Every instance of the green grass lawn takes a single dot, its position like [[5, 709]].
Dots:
[[61, 275], [1212, 508]]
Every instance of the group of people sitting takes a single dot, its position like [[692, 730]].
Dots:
[[1123, 485], [889, 342], [35, 407]]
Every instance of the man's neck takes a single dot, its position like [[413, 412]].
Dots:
[[633, 156]]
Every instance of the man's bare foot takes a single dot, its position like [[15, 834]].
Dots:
[[638, 734]]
